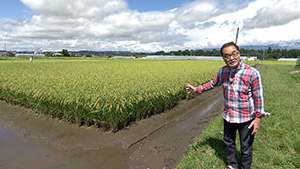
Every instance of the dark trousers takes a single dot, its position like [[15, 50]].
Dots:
[[246, 141]]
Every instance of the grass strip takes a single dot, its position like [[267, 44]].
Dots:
[[276, 145]]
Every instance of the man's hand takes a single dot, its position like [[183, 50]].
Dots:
[[190, 88], [255, 124]]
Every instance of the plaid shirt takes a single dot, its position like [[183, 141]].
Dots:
[[242, 90]]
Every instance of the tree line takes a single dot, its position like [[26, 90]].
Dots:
[[260, 53]]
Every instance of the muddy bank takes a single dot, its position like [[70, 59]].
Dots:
[[32, 141]]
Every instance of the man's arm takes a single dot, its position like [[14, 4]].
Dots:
[[257, 94], [207, 86], [257, 91]]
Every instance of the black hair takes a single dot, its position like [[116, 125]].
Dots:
[[229, 44]]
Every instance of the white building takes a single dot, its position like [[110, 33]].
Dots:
[[123, 57], [29, 55], [253, 58], [172, 57], [288, 59]]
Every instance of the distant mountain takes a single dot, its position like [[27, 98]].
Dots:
[[291, 45], [273, 46], [102, 53], [288, 46]]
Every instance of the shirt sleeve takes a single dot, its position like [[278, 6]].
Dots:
[[216, 82], [257, 93]]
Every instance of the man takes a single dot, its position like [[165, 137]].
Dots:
[[244, 104]]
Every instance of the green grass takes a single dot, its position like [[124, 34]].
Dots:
[[277, 144]]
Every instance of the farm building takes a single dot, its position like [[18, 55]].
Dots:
[[288, 59], [3, 53], [29, 55], [252, 58], [123, 57], [171, 57], [56, 54]]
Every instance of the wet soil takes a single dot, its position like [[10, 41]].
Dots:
[[34, 141]]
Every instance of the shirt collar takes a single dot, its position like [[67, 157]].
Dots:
[[240, 66]]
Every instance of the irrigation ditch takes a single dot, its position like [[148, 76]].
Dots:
[[34, 141]]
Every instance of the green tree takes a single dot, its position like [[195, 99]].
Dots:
[[160, 53], [72, 55], [274, 55], [243, 52], [89, 55], [294, 53], [65, 53], [199, 53], [186, 53], [269, 50], [284, 53], [297, 66], [215, 52]]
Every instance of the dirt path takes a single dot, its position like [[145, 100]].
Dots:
[[31, 141]]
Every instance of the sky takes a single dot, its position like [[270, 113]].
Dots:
[[146, 25]]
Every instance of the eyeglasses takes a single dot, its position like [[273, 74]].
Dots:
[[234, 54]]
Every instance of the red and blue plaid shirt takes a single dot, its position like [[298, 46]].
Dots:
[[242, 90]]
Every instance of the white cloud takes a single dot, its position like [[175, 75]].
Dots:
[[275, 13], [282, 33], [111, 25], [195, 12], [75, 8]]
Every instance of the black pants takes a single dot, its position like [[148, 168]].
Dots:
[[246, 141]]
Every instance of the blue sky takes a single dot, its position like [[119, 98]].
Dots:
[[13, 9], [146, 26], [152, 5]]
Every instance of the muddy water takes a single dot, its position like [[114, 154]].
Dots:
[[31, 141], [19, 154]]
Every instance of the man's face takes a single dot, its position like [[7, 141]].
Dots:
[[231, 56]]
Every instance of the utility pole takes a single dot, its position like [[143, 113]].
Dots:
[[264, 53], [237, 34]]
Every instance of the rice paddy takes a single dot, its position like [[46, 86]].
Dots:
[[106, 93]]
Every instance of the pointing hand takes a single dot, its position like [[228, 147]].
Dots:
[[190, 88]]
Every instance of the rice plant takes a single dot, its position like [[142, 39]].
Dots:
[[106, 93]]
